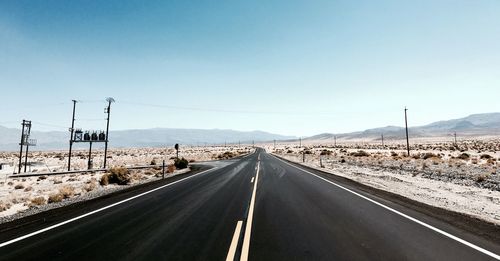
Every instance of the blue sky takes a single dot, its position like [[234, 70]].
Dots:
[[290, 67]]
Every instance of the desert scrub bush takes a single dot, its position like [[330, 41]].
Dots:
[[38, 201], [153, 162], [481, 178], [19, 186], [90, 186], [486, 156], [360, 153], [225, 155], [67, 191], [182, 163], [394, 154], [4, 206], [430, 155], [289, 151], [464, 156], [325, 153], [170, 168], [55, 198], [116, 175]]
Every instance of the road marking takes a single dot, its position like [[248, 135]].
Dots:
[[482, 250], [252, 180], [234, 242], [98, 210], [248, 228]]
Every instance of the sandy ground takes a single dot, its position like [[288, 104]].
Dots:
[[464, 179], [25, 195]]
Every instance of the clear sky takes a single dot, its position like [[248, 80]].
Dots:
[[289, 67]]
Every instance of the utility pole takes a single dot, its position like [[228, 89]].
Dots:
[[25, 140], [28, 127], [72, 130], [335, 141], [300, 142], [274, 144], [382, 140], [89, 164], [108, 111], [407, 138], [455, 134], [21, 148]]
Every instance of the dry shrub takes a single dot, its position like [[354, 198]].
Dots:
[[67, 191], [29, 188], [325, 153], [117, 175], [4, 206], [360, 153], [486, 156], [430, 155], [137, 176], [481, 178], [491, 161], [464, 156], [19, 186], [90, 186], [38, 201], [55, 198], [171, 168]]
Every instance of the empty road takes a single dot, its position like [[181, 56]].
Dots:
[[254, 208]]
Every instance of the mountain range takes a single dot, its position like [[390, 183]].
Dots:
[[157, 137], [473, 125]]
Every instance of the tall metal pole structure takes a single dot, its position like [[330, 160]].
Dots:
[[300, 142], [89, 164], [28, 132], [108, 111], [335, 141], [382, 139], [407, 139], [21, 150], [455, 134], [72, 131]]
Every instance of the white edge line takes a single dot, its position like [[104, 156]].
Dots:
[[234, 242], [248, 228], [96, 211], [482, 250]]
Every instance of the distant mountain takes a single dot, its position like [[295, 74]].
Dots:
[[473, 125], [55, 140]]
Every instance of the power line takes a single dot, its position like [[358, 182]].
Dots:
[[222, 110], [50, 125]]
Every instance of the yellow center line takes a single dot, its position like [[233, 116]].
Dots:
[[234, 242], [248, 228]]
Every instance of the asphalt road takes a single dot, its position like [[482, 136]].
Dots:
[[257, 207]]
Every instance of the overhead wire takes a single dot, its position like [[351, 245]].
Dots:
[[222, 110]]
